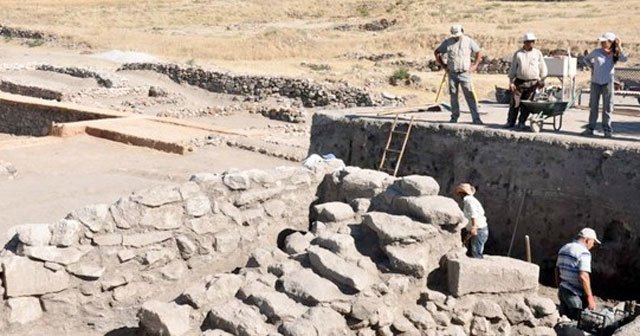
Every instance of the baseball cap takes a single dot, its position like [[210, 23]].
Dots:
[[529, 37], [456, 30], [589, 233], [609, 36]]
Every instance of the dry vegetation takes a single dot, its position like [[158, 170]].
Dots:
[[274, 36]]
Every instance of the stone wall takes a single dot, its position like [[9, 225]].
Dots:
[[23, 116], [311, 94], [566, 184], [97, 265], [31, 91]]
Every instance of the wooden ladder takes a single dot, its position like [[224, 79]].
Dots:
[[399, 152]]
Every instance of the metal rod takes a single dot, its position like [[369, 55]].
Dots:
[[515, 228], [527, 245]]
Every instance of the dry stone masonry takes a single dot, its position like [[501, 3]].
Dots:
[[311, 94], [287, 251]]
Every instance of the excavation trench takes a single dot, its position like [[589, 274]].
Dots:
[[563, 183]]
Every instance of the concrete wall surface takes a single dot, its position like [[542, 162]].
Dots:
[[566, 183]]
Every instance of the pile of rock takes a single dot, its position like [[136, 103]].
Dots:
[[282, 113], [373, 57], [311, 94], [98, 264], [101, 78], [361, 271], [487, 65], [7, 170]]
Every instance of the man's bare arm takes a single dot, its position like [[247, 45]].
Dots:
[[585, 280]]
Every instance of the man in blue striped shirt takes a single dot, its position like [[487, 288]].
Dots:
[[572, 274]]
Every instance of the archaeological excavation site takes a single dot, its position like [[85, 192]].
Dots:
[[282, 191]]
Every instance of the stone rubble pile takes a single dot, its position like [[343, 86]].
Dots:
[[102, 79], [311, 94], [288, 251], [98, 265]]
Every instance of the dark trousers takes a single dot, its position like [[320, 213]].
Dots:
[[571, 304], [524, 91]]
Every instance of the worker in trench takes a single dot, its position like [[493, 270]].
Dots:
[[527, 74], [573, 269], [477, 230], [459, 48]]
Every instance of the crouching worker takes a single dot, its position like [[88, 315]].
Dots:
[[477, 228], [572, 275]]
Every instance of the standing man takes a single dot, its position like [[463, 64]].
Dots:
[[572, 275], [459, 48], [602, 62], [476, 221], [527, 73]]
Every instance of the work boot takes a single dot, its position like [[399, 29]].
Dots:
[[521, 126], [608, 135], [509, 126], [478, 122], [588, 132], [453, 120]]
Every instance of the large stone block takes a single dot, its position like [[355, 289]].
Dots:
[[364, 183], [400, 229], [63, 256], [24, 309], [65, 232], [317, 321], [309, 288], [93, 217], [32, 234], [168, 217], [417, 185], [435, 210], [157, 196], [333, 212], [164, 319], [237, 318], [23, 277], [493, 274], [340, 271]]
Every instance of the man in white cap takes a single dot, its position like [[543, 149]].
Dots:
[[572, 274], [477, 227], [459, 48], [602, 62], [527, 73]]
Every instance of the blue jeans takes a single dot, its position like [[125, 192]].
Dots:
[[462, 80], [478, 241], [606, 91], [571, 304]]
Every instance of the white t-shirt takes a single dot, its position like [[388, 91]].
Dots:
[[473, 209]]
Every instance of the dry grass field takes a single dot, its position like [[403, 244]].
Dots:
[[275, 36]]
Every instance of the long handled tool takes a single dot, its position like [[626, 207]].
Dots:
[[436, 107], [515, 228]]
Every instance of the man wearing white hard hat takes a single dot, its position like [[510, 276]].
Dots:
[[459, 48], [573, 269], [602, 62], [527, 73]]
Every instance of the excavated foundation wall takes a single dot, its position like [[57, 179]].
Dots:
[[26, 116], [566, 184]]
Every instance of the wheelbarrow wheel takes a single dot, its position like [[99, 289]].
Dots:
[[536, 126]]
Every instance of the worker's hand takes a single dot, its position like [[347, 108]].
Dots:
[[591, 302], [619, 43], [513, 87], [541, 84], [473, 68], [474, 231]]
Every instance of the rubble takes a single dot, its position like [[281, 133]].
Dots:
[[176, 266]]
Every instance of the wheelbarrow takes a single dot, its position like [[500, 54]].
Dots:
[[539, 111]]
